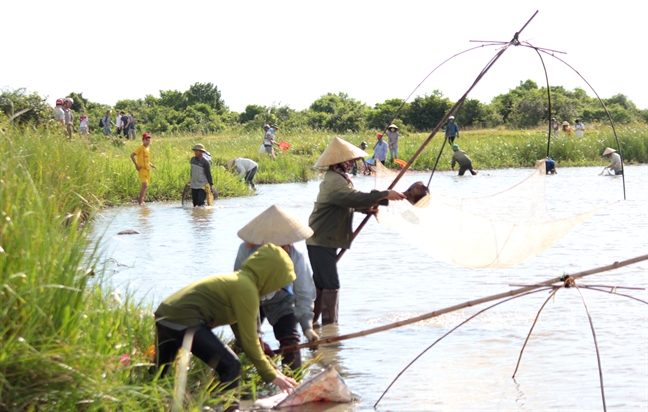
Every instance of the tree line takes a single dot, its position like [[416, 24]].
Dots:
[[201, 109]]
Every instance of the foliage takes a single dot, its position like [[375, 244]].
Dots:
[[38, 112], [338, 113], [425, 112]]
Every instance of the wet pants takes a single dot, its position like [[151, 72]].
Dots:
[[206, 346], [198, 196]]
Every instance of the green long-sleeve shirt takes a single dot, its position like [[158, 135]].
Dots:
[[332, 215], [234, 298]]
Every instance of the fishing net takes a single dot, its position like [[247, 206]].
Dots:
[[474, 232]]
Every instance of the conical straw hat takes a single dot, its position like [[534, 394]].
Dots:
[[608, 151], [274, 226], [339, 151]]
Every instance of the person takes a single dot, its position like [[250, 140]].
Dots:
[[459, 156], [554, 126], [59, 114], [452, 130], [118, 122], [131, 126], [201, 178], [363, 164], [292, 305], [141, 157], [550, 166], [269, 141], [616, 165], [125, 124], [224, 299], [332, 219], [106, 124], [579, 127], [83, 124], [68, 117], [392, 139], [566, 128], [380, 149], [246, 168]]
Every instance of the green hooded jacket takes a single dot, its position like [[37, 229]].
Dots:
[[332, 215], [234, 298]]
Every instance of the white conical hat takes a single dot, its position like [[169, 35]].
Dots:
[[339, 151], [274, 226], [608, 151]]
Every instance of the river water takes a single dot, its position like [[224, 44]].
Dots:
[[385, 279]]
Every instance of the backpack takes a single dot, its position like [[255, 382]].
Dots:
[[101, 122]]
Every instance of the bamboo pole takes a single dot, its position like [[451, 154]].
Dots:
[[454, 108], [463, 305]]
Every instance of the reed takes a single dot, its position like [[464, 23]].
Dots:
[[69, 340]]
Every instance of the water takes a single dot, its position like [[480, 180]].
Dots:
[[384, 280]]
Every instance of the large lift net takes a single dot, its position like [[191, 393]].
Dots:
[[473, 232]]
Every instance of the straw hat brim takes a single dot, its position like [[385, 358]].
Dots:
[[393, 126], [339, 151], [608, 150], [275, 226]]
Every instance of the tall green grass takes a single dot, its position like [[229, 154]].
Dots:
[[68, 340]]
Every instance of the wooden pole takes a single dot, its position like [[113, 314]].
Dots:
[[449, 309]]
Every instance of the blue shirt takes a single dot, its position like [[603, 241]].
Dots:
[[452, 130], [380, 150]]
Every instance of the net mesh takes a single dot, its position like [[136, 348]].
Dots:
[[473, 232]]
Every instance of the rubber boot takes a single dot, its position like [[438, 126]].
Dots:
[[317, 310], [291, 359], [329, 306]]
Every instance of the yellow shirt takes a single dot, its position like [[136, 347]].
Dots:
[[143, 157]]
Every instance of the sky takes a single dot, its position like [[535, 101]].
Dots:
[[290, 53]]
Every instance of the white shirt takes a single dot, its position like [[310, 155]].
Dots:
[[579, 127], [118, 120], [244, 165]]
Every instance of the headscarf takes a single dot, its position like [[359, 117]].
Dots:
[[343, 168]]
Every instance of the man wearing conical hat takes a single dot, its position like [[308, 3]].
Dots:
[[331, 221], [616, 166], [200, 176], [293, 304]]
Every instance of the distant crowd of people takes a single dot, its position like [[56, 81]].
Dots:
[[566, 129]]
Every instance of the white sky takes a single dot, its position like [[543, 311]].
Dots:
[[292, 52]]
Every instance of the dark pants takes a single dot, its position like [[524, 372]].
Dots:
[[249, 176], [451, 139], [324, 263], [206, 346], [198, 196], [462, 169]]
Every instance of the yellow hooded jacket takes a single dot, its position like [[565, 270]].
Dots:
[[234, 298]]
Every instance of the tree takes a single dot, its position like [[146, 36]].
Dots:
[[205, 93], [425, 112], [383, 114], [337, 112], [37, 112]]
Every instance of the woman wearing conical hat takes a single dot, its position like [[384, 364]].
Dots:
[[287, 307], [331, 221]]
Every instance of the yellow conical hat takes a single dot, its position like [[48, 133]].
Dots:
[[339, 151], [274, 226]]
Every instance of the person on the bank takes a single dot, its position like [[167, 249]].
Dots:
[[452, 130], [141, 157], [380, 149], [579, 127], [68, 117], [616, 166], [225, 299], [201, 178], [245, 168], [550, 166], [392, 140], [331, 221], [460, 157], [269, 140], [292, 305], [59, 114]]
